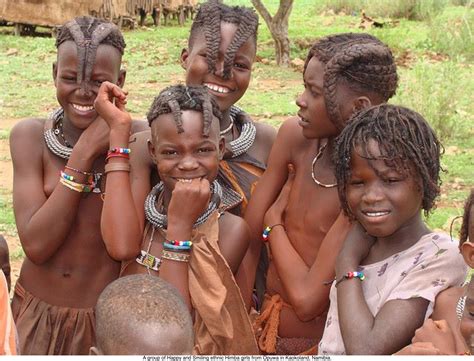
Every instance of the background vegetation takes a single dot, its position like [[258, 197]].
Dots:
[[432, 41]]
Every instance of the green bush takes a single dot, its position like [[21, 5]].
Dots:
[[408, 9], [437, 91], [451, 32]]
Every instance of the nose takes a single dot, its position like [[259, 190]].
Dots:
[[219, 71], [372, 193], [300, 101], [187, 163], [86, 89]]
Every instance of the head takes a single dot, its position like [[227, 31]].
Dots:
[[467, 319], [185, 141], [5, 260], [221, 50], [344, 74], [89, 52], [387, 168], [142, 315]]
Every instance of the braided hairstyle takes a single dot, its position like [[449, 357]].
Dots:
[[88, 33], [464, 232], [406, 142], [176, 98], [209, 18], [360, 61]]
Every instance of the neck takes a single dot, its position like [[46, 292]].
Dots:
[[404, 237], [71, 133], [225, 122]]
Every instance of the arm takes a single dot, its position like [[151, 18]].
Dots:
[[233, 239], [306, 287], [122, 218], [44, 221], [267, 190], [393, 326]]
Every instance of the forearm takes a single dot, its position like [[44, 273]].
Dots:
[[120, 223]]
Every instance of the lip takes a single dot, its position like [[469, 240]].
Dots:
[[375, 215], [302, 121], [218, 89]]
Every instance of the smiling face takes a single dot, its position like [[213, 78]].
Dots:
[[384, 201], [76, 102], [187, 155], [226, 91]]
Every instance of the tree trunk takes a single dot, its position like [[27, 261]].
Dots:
[[278, 26]]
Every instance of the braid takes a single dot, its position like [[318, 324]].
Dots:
[[464, 232], [406, 142], [361, 61], [88, 33], [177, 98], [209, 18]]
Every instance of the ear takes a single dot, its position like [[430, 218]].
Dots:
[[359, 103], [151, 150], [121, 78], [467, 251], [55, 72], [184, 57], [94, 351], [221, 148]]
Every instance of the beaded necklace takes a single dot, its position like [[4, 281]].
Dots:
[[64, 151], [247, 134], [320, 153]]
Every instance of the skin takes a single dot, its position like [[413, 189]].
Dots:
[[5, 260], [304, 250], [444, 312], [375, 187], [188, 155], [66, 261]]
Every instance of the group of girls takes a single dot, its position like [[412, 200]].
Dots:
[[338, 193]]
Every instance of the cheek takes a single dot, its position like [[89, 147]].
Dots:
[[467, 331]]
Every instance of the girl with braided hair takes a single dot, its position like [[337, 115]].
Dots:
[[58, 167], [391, 265], [184, 233], [343, 74]]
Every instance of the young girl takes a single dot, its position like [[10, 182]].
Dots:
[[343, 74], [450, 331], [58, 167], [391, 266], [188, 239]]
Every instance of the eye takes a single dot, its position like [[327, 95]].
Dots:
[[169, 152], [356, 182], [69, 78], [98, 83], [241, 66], [205, 150]]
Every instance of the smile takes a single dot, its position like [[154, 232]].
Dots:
[[376, 214], [187, 180], [83, 108], [217, 88]]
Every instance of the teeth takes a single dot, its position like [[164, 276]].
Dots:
[[185, 180], [216, 88], [376, 214], [83, 108]]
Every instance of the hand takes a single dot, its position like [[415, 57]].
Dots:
[[419, 348], [274, 214], [110, 105], [188, 201], [439, 334], [356, 247], [95, 138]]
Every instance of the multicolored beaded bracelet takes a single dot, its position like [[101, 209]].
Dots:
[[351, 275], [120, 150], [172, 247], [268, 229]]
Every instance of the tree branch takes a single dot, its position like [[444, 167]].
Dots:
[[263, 11]]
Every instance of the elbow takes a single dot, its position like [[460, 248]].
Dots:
[[308, 308], [120, 248]]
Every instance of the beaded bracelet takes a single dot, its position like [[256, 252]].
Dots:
[[268, 229], [120, 150], [175, 256], [351, 275], [172, 247], [78, 187], [115, 167], [78, 171]]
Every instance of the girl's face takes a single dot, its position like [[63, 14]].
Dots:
[[467, 320], [384, 201], [78, 104], [186, 155], [314, 119], [226, 91]]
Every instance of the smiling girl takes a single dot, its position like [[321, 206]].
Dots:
[[391, 266]]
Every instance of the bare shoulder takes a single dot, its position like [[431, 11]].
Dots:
[[139, 126], [28, 131], [265, 133], [291, 136], [234, 239]]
